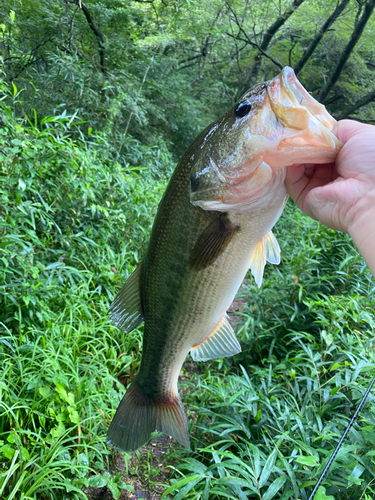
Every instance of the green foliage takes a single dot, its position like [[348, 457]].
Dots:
[[74, 223], [72, 226], [166, 69]]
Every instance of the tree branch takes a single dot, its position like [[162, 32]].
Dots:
[[266, 40], [358, 104], [310, 49], [96, 31], [356, 35], [32, 57], [255, 45]]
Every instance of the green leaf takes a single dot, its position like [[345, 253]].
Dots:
[[179, 484], [24, 453], [311, 461], [334, 390], [74, 416], [274, 488], [45, 391], [58, 430], [195, 465], [8, 451], [335, 366], [233, 481], [267, 469], [114, 489], [97, 481], [124, 486], [70, 398], [327, 337], [321, 494]]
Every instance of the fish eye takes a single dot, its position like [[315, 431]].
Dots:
[[242, 108]]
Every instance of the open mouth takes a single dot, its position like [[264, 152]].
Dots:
[[308, 125], [300, 96]]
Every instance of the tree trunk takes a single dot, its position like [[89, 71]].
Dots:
[[358, 104], [310, 49], [267, 37], [356, 35]]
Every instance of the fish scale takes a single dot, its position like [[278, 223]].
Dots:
[[213, 223]]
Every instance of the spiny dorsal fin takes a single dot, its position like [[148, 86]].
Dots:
[[212, 242], [221, 343], [267, 249], [272, 249], [126, 310]]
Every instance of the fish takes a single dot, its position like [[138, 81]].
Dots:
[[213, 223]]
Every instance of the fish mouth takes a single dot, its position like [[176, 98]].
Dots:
[[307, 135], [301, 97]]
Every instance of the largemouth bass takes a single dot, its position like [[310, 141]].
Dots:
[[213, 224]]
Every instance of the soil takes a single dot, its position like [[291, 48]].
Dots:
[[138, 468]]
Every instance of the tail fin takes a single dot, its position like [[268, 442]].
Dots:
[[139, 415]]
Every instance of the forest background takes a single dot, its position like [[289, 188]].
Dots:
[[98, 101]]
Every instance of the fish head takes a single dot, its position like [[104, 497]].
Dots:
[[240, 162]]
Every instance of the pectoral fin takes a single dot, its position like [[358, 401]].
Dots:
[[220, 343], [212, 242], [267, 249], [126, 310]]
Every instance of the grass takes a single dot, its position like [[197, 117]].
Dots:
[[73, 225]]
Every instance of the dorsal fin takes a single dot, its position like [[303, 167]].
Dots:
[[220, 343], [126, 310], [212, 242], [267, 249]]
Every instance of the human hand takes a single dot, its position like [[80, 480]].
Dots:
[[341, 195]]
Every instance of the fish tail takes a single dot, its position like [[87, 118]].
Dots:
[[138, 415]]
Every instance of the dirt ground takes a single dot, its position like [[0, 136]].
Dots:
[[138, 469]]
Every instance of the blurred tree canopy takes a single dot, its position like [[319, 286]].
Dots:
[[162, 70]]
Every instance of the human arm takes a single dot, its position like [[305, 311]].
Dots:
[[341, 195]]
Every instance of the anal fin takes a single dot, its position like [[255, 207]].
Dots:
[[126, 310], [221, 343], [258, 261]]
